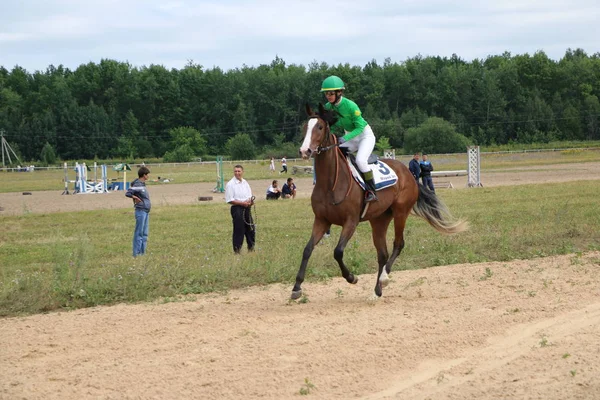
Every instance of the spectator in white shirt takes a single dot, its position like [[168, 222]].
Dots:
[[239, 195], [273, 192], [283, 166]]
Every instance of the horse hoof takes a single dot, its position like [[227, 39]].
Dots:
[[296, 294], [373, 298], [354, 280]]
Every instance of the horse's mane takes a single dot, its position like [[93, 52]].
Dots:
[[329, 116]]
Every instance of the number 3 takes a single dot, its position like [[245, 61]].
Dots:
[[383, 168]]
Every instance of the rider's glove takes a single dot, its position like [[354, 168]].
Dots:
[[341, 141]]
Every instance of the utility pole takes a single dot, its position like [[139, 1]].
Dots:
[[6, 149]]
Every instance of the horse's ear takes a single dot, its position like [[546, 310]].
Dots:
[[321, 109], [309, 111]]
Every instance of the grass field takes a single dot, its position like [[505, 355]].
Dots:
[[190, 173], [80, 259]]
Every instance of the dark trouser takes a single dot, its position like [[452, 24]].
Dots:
[[283, 169], [241, 219], [428, 183], [273, 196]]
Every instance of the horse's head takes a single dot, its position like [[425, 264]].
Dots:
[[316, 130]]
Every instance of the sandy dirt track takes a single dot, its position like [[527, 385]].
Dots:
[[528, 331], [504, 330]]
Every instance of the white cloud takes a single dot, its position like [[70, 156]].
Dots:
[[231, 33]]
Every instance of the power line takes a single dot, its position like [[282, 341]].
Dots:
[[295, 126], [143, 135]]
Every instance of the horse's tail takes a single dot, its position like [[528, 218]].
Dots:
[[433, 210]]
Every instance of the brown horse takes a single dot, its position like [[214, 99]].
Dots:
[[338, 199]]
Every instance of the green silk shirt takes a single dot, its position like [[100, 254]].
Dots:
[[351, 119]]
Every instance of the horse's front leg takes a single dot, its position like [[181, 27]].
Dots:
[[347, 232], [319, 229]]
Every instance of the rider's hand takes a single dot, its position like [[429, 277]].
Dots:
[[341, 141]]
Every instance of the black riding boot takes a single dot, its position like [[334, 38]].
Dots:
[[370, 183]]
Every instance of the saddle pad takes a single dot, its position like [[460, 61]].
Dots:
[[383, 175]]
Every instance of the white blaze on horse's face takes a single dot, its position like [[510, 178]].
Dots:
[[306, 144]]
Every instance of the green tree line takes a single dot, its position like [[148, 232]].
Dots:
[[112, 109]]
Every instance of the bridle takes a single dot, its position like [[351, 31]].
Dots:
[[321, 149]]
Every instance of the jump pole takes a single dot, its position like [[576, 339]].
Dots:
[[98, 187], [474, 168], [104, 179], [83, 177], [220, 180], [66, 191], [78, 178]]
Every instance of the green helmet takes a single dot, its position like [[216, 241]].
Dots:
[[332, 83]]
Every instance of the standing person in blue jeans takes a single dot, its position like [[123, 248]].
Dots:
[[141, 201], [426, 169]]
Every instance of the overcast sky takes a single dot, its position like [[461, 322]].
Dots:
[[233, 33]]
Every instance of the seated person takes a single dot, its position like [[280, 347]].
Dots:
[[289, 189], [273, 192]]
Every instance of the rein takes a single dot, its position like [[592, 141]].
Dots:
[[322, 149], [253, 223]]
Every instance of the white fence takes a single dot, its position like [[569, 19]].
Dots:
[[291, 160]]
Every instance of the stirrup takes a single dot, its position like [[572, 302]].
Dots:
[[370, 196]]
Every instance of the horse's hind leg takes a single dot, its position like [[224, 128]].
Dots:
[[399, 224], [379, 228], [319, 229]]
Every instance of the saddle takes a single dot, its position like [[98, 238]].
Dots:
[[383, 175], [373, 158]]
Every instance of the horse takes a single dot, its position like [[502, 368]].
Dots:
[[338, 199]]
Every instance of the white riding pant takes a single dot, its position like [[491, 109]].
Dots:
[[363, 146]]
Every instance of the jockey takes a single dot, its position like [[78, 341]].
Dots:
[[358, 135]]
